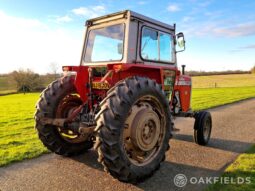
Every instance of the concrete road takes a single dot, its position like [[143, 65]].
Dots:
[[233, 132]]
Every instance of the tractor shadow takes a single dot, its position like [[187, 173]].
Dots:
[[90, 159], [226, 145], [163, 179]]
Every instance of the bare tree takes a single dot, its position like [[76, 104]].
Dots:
[[27, 80], [54, 69], [253, 70]]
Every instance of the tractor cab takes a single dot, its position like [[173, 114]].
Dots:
[[128, 37]]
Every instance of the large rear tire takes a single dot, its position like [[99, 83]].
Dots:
[[134, 127], [58, 100]]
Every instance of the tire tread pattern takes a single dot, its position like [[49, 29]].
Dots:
[[110, 121]]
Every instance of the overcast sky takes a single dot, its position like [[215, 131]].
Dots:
[[220, 35]]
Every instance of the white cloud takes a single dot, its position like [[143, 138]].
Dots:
[[243, 48], [204, 61], [142, 2], [89, 12], [245, 29], [30, 43], [205, 3], [8, 21], [173, 8], [63, 19], [187, 19], [216, 28], [252, 46]]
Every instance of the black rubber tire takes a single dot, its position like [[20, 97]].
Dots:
[[200, 120], [46, 107], [110, 124]]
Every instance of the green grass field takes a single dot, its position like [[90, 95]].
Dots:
[[243, 167], [18, 139], [211, 97]]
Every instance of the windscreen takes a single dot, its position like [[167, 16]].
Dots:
[[105, 44]]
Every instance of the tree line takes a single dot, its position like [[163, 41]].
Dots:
[[203, 73], [27, 80]]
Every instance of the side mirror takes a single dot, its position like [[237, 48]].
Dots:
[[120, 48], [180, 41]]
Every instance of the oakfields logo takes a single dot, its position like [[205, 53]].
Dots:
[[180, 180]]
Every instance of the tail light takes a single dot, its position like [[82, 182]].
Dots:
[[118, 67]]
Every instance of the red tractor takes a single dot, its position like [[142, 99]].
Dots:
[[123, 97]]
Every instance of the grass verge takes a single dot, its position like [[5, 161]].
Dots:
[[243, 167]]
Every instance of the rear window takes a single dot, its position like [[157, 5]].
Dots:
[[105, 44]]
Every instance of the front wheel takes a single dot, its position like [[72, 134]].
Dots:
[[134, 128], [202, 127]]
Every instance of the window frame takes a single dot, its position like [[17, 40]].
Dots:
[[123, 44], [156, 61]]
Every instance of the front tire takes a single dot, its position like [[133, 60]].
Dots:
[[202, 127], [134, 127], [58, 100]]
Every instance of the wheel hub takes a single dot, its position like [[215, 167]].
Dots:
[[145, 129], [207, 128], [65, 108]]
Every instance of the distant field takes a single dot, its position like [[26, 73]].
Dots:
[[6, 85], [229, 88], [211, 97], [233, 80], [18, 139]]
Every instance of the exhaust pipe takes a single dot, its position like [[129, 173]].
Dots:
[[183, 69]]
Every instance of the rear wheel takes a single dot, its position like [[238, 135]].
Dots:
[[133, 127], [202, 127], [59, 100]]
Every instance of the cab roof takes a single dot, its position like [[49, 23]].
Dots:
[[127, 14]]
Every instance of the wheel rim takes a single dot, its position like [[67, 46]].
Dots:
[[144, 130], [65, 108], [207, 129]]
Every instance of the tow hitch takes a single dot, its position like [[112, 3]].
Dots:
[[64, 124]]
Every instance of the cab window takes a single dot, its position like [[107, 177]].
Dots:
[[156, 45]]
